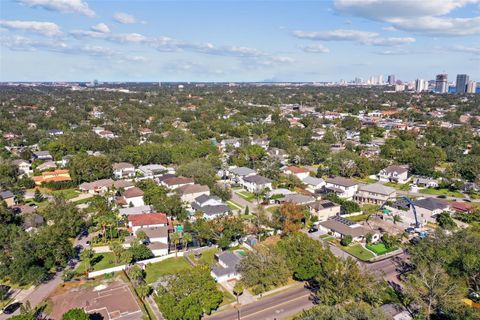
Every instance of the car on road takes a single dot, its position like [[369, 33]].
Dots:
[[313, 229], [12, 308]]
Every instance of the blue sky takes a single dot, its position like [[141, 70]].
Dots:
[[127, 40]]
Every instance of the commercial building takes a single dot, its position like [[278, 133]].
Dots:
[[471, 87], [462, 81], [441, 83]]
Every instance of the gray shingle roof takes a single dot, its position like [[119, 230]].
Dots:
[[340, 181], [257, 179], [377, 188], [313, 181], [431, 204], [242, 171]]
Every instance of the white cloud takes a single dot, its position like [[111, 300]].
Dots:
[[120, 37], [64, 6], [362, 37], [466, 49], [419, 16], [45, 28], [26, 44], [315, 48], [101, 27], [124, 18]]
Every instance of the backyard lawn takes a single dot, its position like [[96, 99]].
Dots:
[[246, 195], [207, 257], [358, 251], [227, 296], [169, 266], [441, 192], [99, 261], [380, 249]]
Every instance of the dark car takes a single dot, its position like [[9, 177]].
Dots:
[[415, 240], [12, 308], [313, 229], [410, 230]]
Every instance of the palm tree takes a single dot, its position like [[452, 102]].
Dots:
[[397, 218], [187, 238], [175, 238]]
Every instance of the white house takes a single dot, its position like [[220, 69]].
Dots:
[[256, 183], [227, 267], [189, 192], [340, 227], [239, 173], [300, 173], [24, 167], [427, 210], [313, 184], [343, 187], [133, 197], [123, 170], [211, 206], [151, 171], [173, 183], [324, 209], [398, 174], [155, 226]]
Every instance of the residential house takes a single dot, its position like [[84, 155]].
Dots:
[[48, 165], [278, 155], [324, 209], [340, 227], [423, 182], [234, 143], [123, 170], [275, 194], [427, 210], [343, 187], [397, 174], [257, 183], [55, 132], [8, 197], [24, 167], [60, 175], [96, 187], [300, 173], [298, 199], [226, 268], [31, 221], [261, 142], [189, 192], [461, 207], [211, 206], [177, 182], [132, 197], [123, 185], [375, 193], [239, 173], [42, 155], [155, 226], [135, 210], [313, 184], [151, 171]]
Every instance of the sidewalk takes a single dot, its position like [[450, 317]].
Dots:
[[153, 305]]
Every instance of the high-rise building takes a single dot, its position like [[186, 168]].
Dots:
[[462, 81], [391, 79], [421, 85], [471, 86], [380, 79], [441, 83]]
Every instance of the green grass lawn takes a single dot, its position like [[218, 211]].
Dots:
[[357, 218], [380, 248], [357, 251], [246, 195], [100, 261], [207, 257], [404, 187], [67, 193], [169, 266], [233, 205], [327, 237], [441, 192]]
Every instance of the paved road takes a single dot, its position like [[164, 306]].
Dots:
[[252, 207], [279, 306]]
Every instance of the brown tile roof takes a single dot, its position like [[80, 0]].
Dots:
[[133, 192], [294, 169], [177, 180], [192, 188], [148, 219]]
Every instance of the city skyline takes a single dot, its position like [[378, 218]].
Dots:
[[81, 40]]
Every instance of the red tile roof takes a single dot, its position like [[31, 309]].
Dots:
[[295, 170], [147, 219]]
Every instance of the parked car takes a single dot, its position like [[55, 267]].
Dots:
[[313, 229], [12, 308], [410, 230]]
